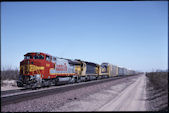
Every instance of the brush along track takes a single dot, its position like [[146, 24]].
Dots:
[[23, 95]]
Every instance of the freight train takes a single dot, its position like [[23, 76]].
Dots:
[[40, 70]]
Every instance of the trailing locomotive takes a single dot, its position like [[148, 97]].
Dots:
[[40, 70]]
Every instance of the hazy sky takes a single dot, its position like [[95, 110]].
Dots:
[[129, 34]]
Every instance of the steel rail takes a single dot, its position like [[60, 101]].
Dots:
[[31, 94]]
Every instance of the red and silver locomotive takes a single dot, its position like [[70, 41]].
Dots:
[[40, 69]]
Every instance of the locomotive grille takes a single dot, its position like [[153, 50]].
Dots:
[[26, 69]]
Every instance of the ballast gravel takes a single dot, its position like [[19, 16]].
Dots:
[[66, 101]]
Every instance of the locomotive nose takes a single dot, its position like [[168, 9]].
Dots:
[[31, 67], [25, 66]]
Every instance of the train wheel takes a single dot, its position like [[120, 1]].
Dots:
[[33, 86], [49, 83], [73, 80], [77, 80], [56, 82], [19, 84], [43, 83], [85, 79]]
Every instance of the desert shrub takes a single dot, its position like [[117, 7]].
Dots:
[[9, 74], [158, 79], [157, 91]]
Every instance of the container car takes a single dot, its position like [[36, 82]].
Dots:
[[120, 71], [125, 71], [114, 70]]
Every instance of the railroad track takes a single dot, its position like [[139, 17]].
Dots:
[[23, 89], [14, 96], [12, 91]]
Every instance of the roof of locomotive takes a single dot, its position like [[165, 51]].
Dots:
[[74, 62], [69, 60], [34, 53], [91, 63], [105, 63]]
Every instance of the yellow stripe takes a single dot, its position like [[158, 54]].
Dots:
[[62, 73]]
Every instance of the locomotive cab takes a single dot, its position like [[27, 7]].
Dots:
[[31, 69]]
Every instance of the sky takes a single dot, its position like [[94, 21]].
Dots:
[[131, 34]]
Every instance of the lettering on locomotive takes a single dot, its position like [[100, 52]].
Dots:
[[30, 68], [61, 67]]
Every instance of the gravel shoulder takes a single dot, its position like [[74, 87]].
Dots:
[[9, 85], [127, 96], [92, 98], [133, 98]]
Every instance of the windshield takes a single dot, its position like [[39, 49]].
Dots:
[[34, 57], [28, 57], [38, 57]]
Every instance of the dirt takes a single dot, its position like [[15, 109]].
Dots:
[[9, 85], [119, 95], [127, 96]]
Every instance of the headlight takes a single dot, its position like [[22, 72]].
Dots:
[[31, 77], [37, 76]]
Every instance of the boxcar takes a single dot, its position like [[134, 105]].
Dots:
[[125, 71], [114, 70], [120, 71]]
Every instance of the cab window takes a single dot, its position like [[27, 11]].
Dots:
[[28, 57], [41, 57], [38, 57], [48, 58], [53, 59]]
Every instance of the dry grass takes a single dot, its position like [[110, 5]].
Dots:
[[157, 88], [159, 79], [9, 74]]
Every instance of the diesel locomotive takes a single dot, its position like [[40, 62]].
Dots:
[[39, 69]]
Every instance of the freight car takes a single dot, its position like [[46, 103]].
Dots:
[[114, 70], [41, 70], [124, 71], [120, 71]]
